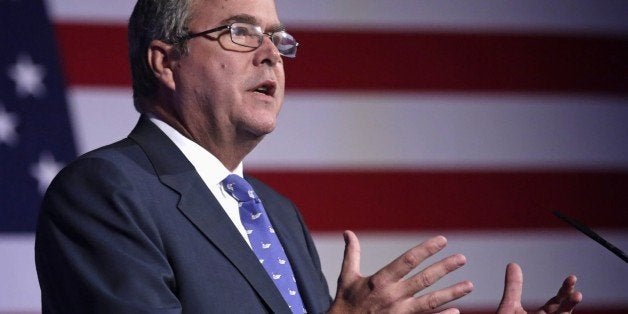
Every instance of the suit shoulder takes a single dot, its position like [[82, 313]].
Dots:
[[105, 163], [111, 151]]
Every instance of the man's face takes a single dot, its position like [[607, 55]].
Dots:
[[225, 89]]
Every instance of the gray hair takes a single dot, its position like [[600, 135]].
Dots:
[[164, 20]]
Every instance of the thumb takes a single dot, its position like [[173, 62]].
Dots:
[[513, 287], [351, 259]]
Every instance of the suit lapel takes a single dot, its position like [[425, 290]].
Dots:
[[203, 210]]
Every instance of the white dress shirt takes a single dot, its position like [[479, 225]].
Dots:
[[211, 170]]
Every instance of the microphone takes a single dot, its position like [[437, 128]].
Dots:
[[591, 234]]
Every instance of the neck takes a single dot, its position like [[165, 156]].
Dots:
[[227, 146]]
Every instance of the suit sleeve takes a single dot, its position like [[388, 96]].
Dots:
[[97, 249]]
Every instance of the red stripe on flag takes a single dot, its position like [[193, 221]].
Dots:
[[449, 61], [94, 55], [428, 200], [97, 55]]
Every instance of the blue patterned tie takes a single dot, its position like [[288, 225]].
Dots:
[[264, 241]]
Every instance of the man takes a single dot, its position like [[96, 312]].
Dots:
[[155, 223]]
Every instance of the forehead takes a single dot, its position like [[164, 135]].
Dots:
[[211, 13]]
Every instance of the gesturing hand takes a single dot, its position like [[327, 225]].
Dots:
[[388, 291], [564, 301]]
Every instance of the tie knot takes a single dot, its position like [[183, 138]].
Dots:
[[239, 189]]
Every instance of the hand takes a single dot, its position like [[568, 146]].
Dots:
[[564, 302], [388, 291]]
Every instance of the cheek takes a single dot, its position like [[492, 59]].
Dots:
[[218, 79], [281, 81], [281, 74]]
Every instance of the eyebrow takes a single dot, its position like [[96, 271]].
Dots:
[[246, 18]]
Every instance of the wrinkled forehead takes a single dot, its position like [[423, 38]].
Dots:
[[212, 13]]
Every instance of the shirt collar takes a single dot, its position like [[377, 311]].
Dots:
[[211, 170]]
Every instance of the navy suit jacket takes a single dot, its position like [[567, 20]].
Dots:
[[132, 228]]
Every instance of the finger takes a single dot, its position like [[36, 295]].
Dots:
[[568, 304], [351, 261], [432, 300], [513, 286], [433, 273], [409, 260], [568, 295], [568, 286]]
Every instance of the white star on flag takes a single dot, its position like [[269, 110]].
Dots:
[[8, 123], [45, 170], [28, 77]]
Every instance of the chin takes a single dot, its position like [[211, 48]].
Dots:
[[265, 130], [259, 130]]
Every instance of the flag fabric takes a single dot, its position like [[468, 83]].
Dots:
[[36, 137], [36, 140], [471, 119]]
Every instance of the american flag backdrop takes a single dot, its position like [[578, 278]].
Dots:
[[403, 119]]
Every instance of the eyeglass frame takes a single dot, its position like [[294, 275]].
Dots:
[[229, 27]]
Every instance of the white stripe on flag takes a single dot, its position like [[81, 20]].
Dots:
[[546, 258], [408, 130]]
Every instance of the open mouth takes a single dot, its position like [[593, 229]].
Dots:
[[266, 88]]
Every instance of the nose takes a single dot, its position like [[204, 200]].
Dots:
[[267, 53]]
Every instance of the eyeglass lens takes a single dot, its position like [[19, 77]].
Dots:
[[249, 35]]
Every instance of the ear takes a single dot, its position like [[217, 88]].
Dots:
[[161, 60]]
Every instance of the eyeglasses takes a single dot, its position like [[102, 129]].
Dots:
[[252, 36]]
